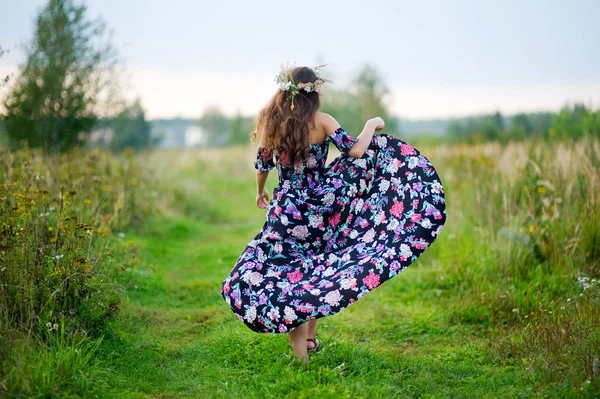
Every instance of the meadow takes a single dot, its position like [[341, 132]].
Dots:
[[111, 269]]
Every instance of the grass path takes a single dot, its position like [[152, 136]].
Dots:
[[177, 338]]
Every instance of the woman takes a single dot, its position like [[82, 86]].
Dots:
[[332, 232]]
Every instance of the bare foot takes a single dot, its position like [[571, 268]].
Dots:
[[298, 341]]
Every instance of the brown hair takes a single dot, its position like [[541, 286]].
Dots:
[[286, 130]]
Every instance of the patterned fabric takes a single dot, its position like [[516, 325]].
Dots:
[[335, 232], [264, 159]]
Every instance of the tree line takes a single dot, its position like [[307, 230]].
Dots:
[[69, 85], [365, 97], [572, 121]]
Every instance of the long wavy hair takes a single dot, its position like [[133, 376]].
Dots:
[[286, 130]]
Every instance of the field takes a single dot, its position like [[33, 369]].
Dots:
[[504, 303]]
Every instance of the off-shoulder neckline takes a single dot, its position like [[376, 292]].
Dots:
[[328, 137]]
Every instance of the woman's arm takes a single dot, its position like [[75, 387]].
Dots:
[[364, 138], [262, 195]]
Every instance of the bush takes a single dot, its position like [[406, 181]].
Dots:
[[60, 255]]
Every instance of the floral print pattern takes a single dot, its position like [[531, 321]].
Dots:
[[335, 232]]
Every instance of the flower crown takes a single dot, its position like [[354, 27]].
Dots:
[[286, 82]]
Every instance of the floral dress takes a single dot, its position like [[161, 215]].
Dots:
[[335, 232]]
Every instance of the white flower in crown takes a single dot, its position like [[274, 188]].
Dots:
[[286, 81]]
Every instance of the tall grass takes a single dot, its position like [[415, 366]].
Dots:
[[524, 224], [64, 259], [520, 252]]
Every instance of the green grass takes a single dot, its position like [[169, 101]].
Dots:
[[178, 338], [482, 314]]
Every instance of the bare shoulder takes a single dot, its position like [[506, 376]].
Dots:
[[326, 123]]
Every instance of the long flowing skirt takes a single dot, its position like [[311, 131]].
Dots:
[[321, 249]]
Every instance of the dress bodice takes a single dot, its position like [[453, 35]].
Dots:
[[306, 174]]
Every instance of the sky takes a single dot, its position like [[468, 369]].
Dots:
[[439, 58]]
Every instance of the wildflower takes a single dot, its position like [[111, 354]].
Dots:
[[49, 325], [121, 235], [515, 310], [541, 190], [568, 299], [59, 256], [55, 326]]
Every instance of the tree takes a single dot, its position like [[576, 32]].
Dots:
[[215, 126], [239, 130], [365, 99], [54, 101], [520, 126], [492, 126], [3, 79], [130, 129]]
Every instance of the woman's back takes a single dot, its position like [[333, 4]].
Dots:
[[305, 173]]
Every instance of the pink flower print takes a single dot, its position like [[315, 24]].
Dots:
[[294, 276], [406, 149], [226, 287], [371, 281], [334, 220], [415, 204], [397, 209], [419, 244], [415, 217]]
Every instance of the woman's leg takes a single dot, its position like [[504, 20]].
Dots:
[[298, 340], [311, 332]]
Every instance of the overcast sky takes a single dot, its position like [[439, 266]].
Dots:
[[440, 58]]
